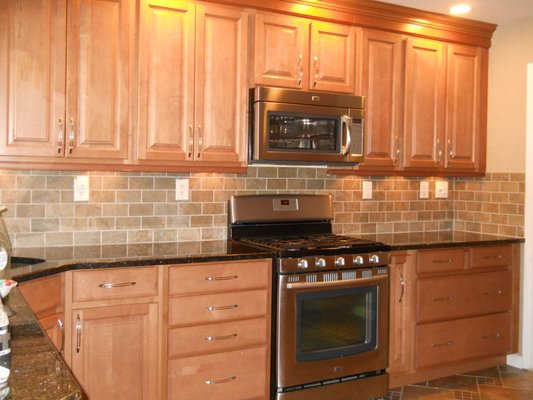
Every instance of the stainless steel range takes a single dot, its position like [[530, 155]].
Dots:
[[331, 303]]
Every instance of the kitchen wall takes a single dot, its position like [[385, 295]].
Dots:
[[140, 207]]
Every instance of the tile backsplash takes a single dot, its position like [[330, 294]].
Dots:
[[141, 207]]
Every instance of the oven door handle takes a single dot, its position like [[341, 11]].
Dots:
[[329, 284], [346, 121]]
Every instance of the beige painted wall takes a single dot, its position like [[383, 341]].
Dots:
[[511, 51]]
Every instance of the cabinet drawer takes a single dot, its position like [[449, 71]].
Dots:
[[223, 336], [463, 296], [462, 339], [201, 309], [219, 277], [442, 260], [235, 375], [494, 256], [114, 283]]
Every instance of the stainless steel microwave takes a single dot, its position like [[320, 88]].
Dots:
[[300, 127]]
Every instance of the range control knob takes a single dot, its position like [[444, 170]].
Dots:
[[320, 262], [374, 259], [359, 260], [303, 264], [340, 262]]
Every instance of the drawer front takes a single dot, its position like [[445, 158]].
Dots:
[[223, 336], [220, 277], [441, 260], [235, 375], [114, 283], [450, 341], [464, 296], [201, 309], [494, 256]]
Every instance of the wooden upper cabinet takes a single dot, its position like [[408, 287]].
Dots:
[[424, 100], [193, 82], [466, 83], [299, 53], [72, 103], [32, 77], [380, 82]]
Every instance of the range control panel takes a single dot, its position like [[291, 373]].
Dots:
[[332, 262]]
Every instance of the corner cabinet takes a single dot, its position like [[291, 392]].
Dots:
[[193, 84], [304, 54], [460, 310], [65, 80]]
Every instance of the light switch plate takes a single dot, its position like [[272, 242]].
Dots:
[[424, 190], [182, 189], [367, 190], [81, 188], [441, 190]]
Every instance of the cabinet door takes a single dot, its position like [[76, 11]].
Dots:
[[114, 351], [166, 84], [380, 83], [463, 107], [424, 104], [332, 57], [32, 76], [99, 40], [221, 84], [281, 50]]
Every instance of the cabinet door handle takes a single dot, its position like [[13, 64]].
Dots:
[[216, 382], [316, 70], [449, 298], [397, 151], [60, 135], [116, 285], [496, 257], [402, 286], [300, 73], [62, 328], [200, 141], [221, 278], [78, 333], [450, 152], [439, 152], [494, 336], [448, 343], [226, 337], [191, 142], [219, 308], [71, 135], [498, 292]]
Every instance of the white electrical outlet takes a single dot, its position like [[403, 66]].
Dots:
[[182, 189], [367, 190], [441, 190], [81, 188], [424, 190]]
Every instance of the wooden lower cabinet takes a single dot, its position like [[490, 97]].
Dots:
[[453, 310], [114, 351]]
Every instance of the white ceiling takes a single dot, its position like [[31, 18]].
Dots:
[[494, 11]]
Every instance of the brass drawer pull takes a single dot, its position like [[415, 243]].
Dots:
[[448, 261], [449, 298], [495, 336], [496, 292], [216, 382], [226, 337], [221, 278], [116, 285], [496, 257], [402, 285], [448, 343], [219, 308]]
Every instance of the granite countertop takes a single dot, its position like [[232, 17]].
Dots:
[[37, 369]]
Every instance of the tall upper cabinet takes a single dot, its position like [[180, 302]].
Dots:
[[65, 79], [304, 54], [193, 86]]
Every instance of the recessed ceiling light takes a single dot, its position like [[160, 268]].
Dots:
[[460, 9]]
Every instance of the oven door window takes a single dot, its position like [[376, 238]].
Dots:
[[336, 323], [301, 132]]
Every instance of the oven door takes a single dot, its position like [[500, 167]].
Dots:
[[328, 329], [306, 134]]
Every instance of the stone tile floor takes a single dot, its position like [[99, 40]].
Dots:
[[498, 383]]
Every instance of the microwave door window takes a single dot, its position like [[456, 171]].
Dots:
[[297, 132]]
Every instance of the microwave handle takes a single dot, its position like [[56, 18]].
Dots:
[[346, 120]]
